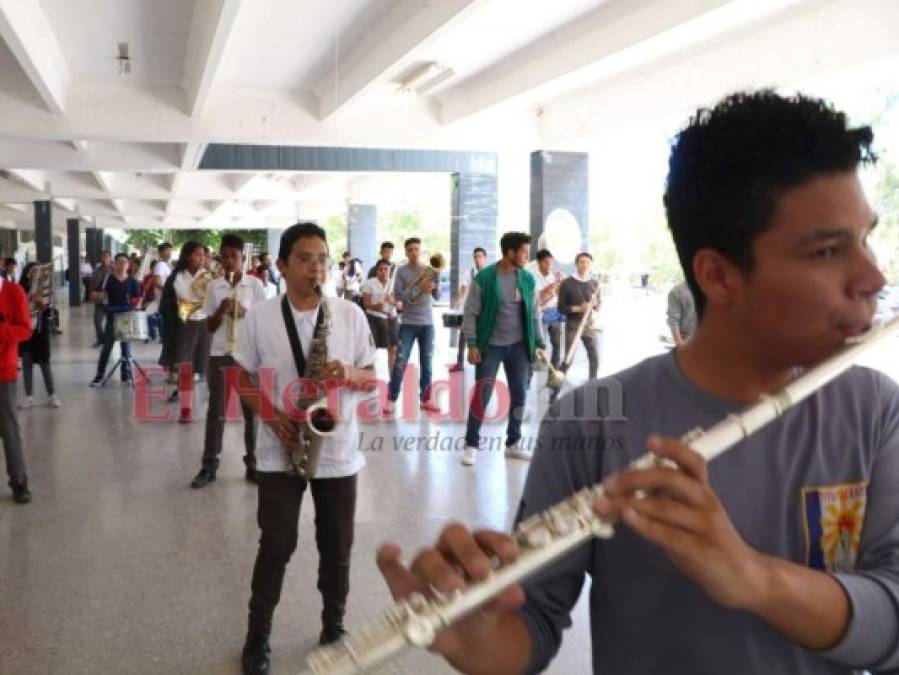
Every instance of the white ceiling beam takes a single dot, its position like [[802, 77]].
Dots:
[[409, 26], [191, 154], [755, 58], [32, 179], [80, 146], [103, 179], [616, 38], [212, 25], [30, 37], [128, 157]]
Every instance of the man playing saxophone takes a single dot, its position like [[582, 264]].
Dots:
[[781, 555], [225, 317], [287, 338]]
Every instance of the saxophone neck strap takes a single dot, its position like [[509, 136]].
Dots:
[[291, 325]]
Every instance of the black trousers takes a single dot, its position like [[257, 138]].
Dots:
[[219, 397], [280, 497]]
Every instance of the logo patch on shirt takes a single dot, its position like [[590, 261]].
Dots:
[[833, 516]]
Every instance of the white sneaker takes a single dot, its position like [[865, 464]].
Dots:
[[55, 402], [515, 452], [27, 402], [469, 455]]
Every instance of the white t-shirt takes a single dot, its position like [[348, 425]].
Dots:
[[86, 269], [263, 343], [163, 270], [542, 283], [249, 293], [377, 291], [184, 291], [269, 290]]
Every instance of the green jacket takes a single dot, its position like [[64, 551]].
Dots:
[[488, 284]]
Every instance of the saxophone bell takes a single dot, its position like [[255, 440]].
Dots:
[[319, 419]]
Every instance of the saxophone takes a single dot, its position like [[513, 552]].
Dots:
[[235, 315], [318, 422]]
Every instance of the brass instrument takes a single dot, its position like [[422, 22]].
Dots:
[[318, 421], [431, 273], [40, 283], [198, 288]]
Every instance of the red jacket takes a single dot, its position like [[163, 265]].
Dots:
[[15, 327]]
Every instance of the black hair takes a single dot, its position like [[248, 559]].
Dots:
[[299, 231], [382, 262], [25, 276], [582, 254], [121, 255], [387, 244], [164, 245], [10, 261], [512, 241], [478, 249], [263, 254], [731, 163], [106, 251], [231, 241], [543, 253], [411, 240], [186, 252]]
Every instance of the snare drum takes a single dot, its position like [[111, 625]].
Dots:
[[132, 326], [452, 320]]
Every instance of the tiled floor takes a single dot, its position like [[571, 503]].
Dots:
[[119, 567]]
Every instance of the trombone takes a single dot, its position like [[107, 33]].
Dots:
[[431, 273]]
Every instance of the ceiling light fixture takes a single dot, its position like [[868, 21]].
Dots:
[[424, 78], [124, 59]]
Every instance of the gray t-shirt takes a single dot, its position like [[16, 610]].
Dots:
[[819, 487], [509, 326], [682, 310], [405, 289]]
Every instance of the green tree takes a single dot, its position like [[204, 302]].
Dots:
[[211, 238]]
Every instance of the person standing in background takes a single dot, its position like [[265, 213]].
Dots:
[[681, 313]]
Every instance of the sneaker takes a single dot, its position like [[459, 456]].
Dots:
[[97, 381], [515, 452], [27, 402], [469, 455], [96, 344], [184, 417], [55, 402], [456, 368], [388, 409], [250, 475]]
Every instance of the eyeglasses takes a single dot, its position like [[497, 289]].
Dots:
[[310, 258]]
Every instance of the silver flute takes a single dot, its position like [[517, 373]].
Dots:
[[547, 536]]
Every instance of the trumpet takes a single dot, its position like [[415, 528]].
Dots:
[[431, 273], [547, 536]]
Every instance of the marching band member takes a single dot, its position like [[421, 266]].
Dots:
[[265, 343], [548, 282], [36, 350], [781, 555], [480, 261], [120, 292], [501, 327], [218, 306], [416, 292], [681, 313], [577, 294], [192, 341], [380, 309]]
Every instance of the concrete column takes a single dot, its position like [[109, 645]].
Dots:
[[73, 244], [362, 233], [43, 231], [473, 222], [560, 183], [107, 242], [90, 244]]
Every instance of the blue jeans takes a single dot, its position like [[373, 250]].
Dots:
[[517, 363], [408, 335]]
